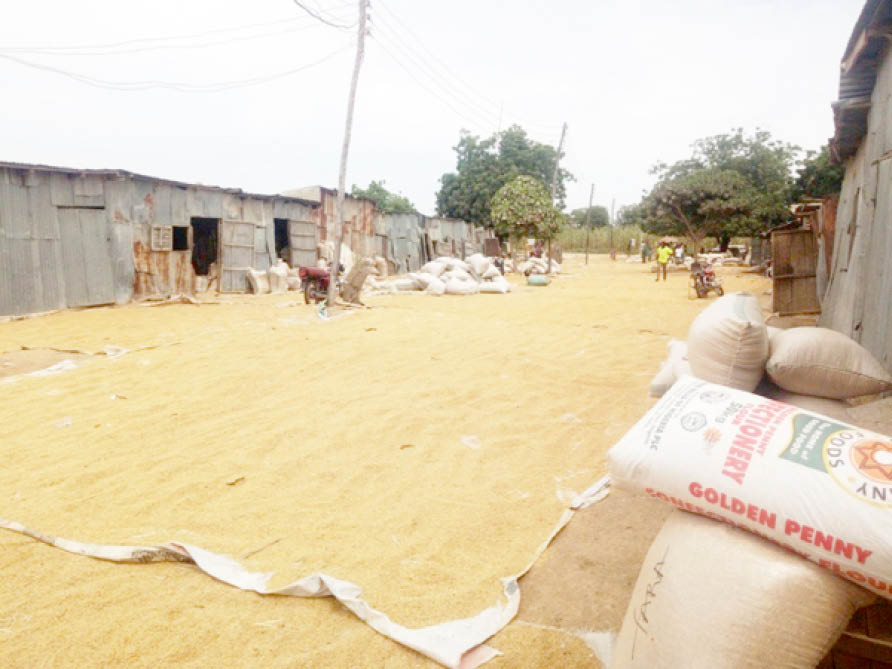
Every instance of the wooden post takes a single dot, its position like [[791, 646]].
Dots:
[[588, 213], [342, 172], [554, 177]]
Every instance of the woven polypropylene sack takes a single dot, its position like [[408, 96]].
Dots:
[[826, 363], [712, 596], [728, 342], [814, 484]]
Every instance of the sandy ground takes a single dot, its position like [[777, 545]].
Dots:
[[418, 449]]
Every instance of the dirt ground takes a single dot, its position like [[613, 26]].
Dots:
[[421, 449]]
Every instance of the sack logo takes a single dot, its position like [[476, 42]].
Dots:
[[860, 463]]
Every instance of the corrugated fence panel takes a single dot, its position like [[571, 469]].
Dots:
[[7, 304], [74, 268], [52, 281]]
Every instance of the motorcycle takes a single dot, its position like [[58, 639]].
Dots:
[[314, 283], [703, 280]]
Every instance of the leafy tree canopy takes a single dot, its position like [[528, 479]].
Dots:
[[597, 217], [387, 202], [732, 185], [522, 208], [629, 214], [818, 177], [483, 166]]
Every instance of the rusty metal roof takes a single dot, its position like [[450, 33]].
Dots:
[[861, 61], [124, 174]]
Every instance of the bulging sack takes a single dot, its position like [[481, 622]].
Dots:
[[728, 342], [818, 486], [711, 596], [826, 363]]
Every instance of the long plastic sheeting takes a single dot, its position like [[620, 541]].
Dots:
[[456, 643]]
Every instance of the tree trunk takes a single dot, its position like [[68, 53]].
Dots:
[[724, 241]]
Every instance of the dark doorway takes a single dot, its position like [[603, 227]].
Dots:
[[180, 238], [204, 244], [281, 226]]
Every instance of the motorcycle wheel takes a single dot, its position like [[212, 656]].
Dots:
[[701, 289], [719, 291], [309, 291]]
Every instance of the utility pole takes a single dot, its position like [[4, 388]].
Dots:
[[554, 177], [612, 219], [342, 172], [588, 214]]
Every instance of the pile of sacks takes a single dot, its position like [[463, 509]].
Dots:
[[814, 486], [451, 276], [810, 367], [536, 266], [277, 279]]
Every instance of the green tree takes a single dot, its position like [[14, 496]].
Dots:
[[629, 214], [598, 217], [483, 166], [704, 202], [733, 185], [522, 208], [818, 177], [386, 201]]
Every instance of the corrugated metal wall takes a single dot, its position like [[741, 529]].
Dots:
[[56, 245], [404, 241], [858, 299]]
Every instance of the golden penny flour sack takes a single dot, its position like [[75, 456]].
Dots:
[[816, 485]]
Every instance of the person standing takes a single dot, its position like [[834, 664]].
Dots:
[[664, 253], [645, 252]]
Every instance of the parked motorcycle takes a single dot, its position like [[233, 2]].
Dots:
[[703, 280], [314, 283]]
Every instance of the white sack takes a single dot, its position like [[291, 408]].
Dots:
[[293, 283], [434, 267], [459, 274], [728, 342], [824, 362], [458, 287], [491, 273], [380, 266], [499, 285], [479, 264], [278, 277], [347, 259], [405, 285], [709, 595], [258, 281], [820, 487], [436, 287], [421, 279], [674, 367]]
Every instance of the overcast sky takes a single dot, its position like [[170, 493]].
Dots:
[[637, 81]]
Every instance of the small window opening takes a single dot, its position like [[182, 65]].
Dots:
[[180, 238]]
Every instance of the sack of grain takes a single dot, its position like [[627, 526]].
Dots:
[[405, 285], [815, 485], [421, 279], [491, 273], [711, 596], [499, 285], [674, 367], [837, 409], [435, 287], [479, 264], [455, 286], [278, 277], [728, 342], [258, 282], [457, 273], [380, 266], [826, 363], [293, 283], [434, 268]]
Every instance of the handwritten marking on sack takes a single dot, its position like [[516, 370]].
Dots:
[[755, 427], [639, 615]]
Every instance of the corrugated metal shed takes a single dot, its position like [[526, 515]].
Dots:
[[405, 235], [73, 238], [858, 298]]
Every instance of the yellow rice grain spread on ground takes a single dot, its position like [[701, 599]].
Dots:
[[417, 449]]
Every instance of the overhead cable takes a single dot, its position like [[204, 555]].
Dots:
[[321, 18], [183, 87]]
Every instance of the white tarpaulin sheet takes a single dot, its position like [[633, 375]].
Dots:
[[456, 643]]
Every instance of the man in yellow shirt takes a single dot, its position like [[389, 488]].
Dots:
[[664, 252]]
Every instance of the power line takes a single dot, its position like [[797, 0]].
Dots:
[[161, 47], [445, 68], [321, 18], [182, 87]]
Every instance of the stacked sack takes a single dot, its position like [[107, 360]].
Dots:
[[810, 367], [537, 266], [452, 276], [277, 279]]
